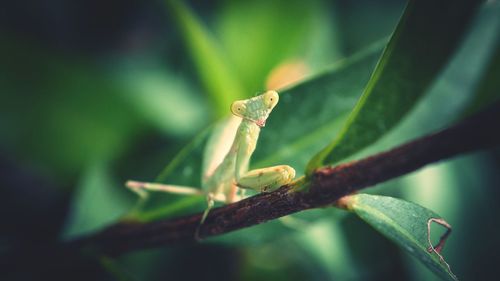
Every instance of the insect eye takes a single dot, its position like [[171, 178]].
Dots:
[[238, 108], [271, 98]]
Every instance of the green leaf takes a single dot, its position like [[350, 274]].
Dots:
[[403, 222], [455, 88], [307, 116], [311, 113], [424, 39], [214, 70], [488, 87], [184, 169], [487, 90]]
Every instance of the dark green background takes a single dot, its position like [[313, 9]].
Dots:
[[93, 93]]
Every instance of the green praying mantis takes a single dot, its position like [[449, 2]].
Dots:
[[232, 174]]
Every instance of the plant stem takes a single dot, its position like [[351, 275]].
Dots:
[[324, 187]]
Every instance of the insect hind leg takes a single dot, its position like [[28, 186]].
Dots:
[[210, 205], [267, 179]]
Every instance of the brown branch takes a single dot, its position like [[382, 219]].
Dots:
[[326, 186]]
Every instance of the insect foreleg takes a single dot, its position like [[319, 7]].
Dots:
[[140, 187], [137, 187]]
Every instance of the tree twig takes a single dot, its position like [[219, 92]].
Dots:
[[326, 186]]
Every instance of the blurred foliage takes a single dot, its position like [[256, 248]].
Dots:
[[93, 94], [217, 76]]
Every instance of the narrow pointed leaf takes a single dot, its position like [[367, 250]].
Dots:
[[97, 194], [214, 70], [311, 113], [425, 38], [458, 86]]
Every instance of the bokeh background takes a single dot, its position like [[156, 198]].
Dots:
[[93, 93]]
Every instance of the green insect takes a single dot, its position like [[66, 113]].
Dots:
[[231, 173]]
